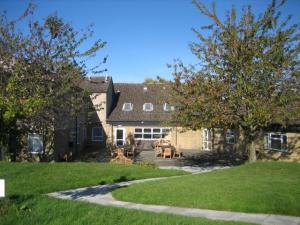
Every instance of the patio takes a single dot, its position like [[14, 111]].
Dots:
[[190, 158]]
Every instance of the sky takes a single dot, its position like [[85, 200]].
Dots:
[[142, 36]]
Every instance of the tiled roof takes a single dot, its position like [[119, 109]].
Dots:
[[138, 94], [95, 84]]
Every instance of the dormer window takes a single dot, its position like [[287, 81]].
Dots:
[[127, 106], [168, 107], [148, 107]]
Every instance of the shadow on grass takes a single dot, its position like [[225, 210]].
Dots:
[[91, 192], [102, 182], [122, 179]]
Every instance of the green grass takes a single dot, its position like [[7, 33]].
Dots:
[[26, 182], [45, 210], [262, 187], [37, 178]]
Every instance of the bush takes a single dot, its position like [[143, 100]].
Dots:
[[147, 163]]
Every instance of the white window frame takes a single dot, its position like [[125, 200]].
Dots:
[[269, 141], [130, 107], [168, 107], [39, 138], [206, 142], [124, 135], [145, 108], [229, 136], [163, 131], [97, 138]]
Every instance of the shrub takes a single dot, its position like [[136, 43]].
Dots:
[[147, 163]]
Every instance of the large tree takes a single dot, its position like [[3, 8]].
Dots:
[[247, 77], [40, 69]]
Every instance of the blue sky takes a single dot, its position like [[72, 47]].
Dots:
[[142, 35]]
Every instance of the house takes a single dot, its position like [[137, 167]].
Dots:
[[141, 111]]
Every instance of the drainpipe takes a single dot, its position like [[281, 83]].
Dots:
[[176, 135], [112, 134]]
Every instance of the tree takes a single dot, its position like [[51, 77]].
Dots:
[[248, 76], [40, 71], [158, 80]]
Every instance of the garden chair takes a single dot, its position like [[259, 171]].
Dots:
[[158, 151], [167, 152], [131, 151], [177, 152]]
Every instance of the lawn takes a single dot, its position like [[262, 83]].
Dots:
[[27, 182], [36, 178], [262, 187], [44, 210]]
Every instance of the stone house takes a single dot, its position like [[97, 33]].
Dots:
[[141, 111]]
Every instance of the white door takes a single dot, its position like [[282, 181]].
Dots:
[[119, 136], [207, 139]]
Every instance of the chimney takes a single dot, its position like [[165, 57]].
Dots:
[[106, 79]]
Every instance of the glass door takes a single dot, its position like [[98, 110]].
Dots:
[[207, 139], [120, 136]]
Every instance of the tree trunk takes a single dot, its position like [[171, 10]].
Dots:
[[251, 152], [241, 144], [246, 144]]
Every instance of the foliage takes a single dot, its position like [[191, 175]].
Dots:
[[248, 76], [261, 187], [147, 163], [40, 71], [158, 80]]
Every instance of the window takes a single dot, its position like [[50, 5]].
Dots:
[[148, 107], [229, 137], [120, 136], [127, 106], [35, 143], [168, 107], [138, 133], [207, 139], [277, 142], [138, 130], [147, 133], [97, 134], [156, 133], [150, 133], [165, 132]]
